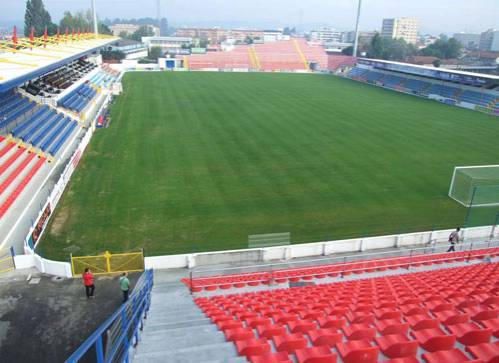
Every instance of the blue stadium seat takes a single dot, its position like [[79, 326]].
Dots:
[[54, 148], [26, 129], [40, 113], [51, 137], [19, 111], [44, 130]]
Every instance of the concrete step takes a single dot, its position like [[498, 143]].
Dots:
[[173, 309], [230, 360], [169, 318], [214, 352], [179, 332], [164, 342], [151, 325]]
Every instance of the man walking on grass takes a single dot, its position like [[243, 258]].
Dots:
[[124, 286], [453, 239]]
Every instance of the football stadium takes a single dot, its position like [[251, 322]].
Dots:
[[272, 202]]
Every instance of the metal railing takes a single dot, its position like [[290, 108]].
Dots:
[[388, 258], [111, 342]]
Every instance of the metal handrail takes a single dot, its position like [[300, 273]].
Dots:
[[126, 319], [270, 268]]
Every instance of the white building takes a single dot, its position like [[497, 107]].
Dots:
[[326, 35], [468, 40], [129, 29], [489, 40], [168, 44], [274, 36], [401, 28]]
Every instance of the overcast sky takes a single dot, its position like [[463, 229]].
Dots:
[[435, 16]]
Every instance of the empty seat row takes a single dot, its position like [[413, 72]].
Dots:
[[56, 81], [331, 270], [448, 315], [18, 180], [78, 99], [484, 99], [44, 129]]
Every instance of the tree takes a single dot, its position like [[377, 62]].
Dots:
[[289, 31], [377, 47], [390, 49], [203, 43], [104, 29], [143, 31], [248, 40], [443, 49], [38, 18], [82, 20], [112, 55], [155, 53], [347, 51], [437, 63]]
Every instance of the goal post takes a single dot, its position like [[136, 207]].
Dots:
[[475, 186]]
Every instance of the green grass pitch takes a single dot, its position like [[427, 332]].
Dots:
[[199, 161]]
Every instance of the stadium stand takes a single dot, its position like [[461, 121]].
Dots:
[[314, 53], [14, 107], [237, 58], [78, 99], [440, 315], [279, 56], [17, 168], [55, 82], [40, 128], [287, 55], [330, 270], [452, 93]]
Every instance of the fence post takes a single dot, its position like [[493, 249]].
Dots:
[[190, 285], [13, 254], [99, 350], [107, 255], [72, 263]]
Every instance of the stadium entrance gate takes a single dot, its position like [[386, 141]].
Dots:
[[6, 261], [108, 263]]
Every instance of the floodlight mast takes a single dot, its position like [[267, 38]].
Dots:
[[356, 43], [94, 13]]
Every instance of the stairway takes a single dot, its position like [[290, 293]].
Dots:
[[176, 331]]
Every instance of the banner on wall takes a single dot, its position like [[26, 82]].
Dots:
[[40, 226]]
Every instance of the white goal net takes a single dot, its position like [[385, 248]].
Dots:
[[475, 186]]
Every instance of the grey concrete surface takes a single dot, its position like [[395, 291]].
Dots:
[[45, 319]]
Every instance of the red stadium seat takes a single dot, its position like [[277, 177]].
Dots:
[[280, 357], [487, 352], [359, 332], [443, 356], [252, 347], [492, 324], [239, 334], [434, 340], [315, 355], [325, 337], [289, 343], [358, 351], [268, 331], [391, 326], [470, 333], [397, 346]]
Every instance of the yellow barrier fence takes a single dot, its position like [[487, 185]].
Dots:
[[6, 261], [108, 263]]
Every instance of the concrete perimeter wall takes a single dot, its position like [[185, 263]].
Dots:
[[317, 249]]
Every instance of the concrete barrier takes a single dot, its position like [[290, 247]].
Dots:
[[328, 248]]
